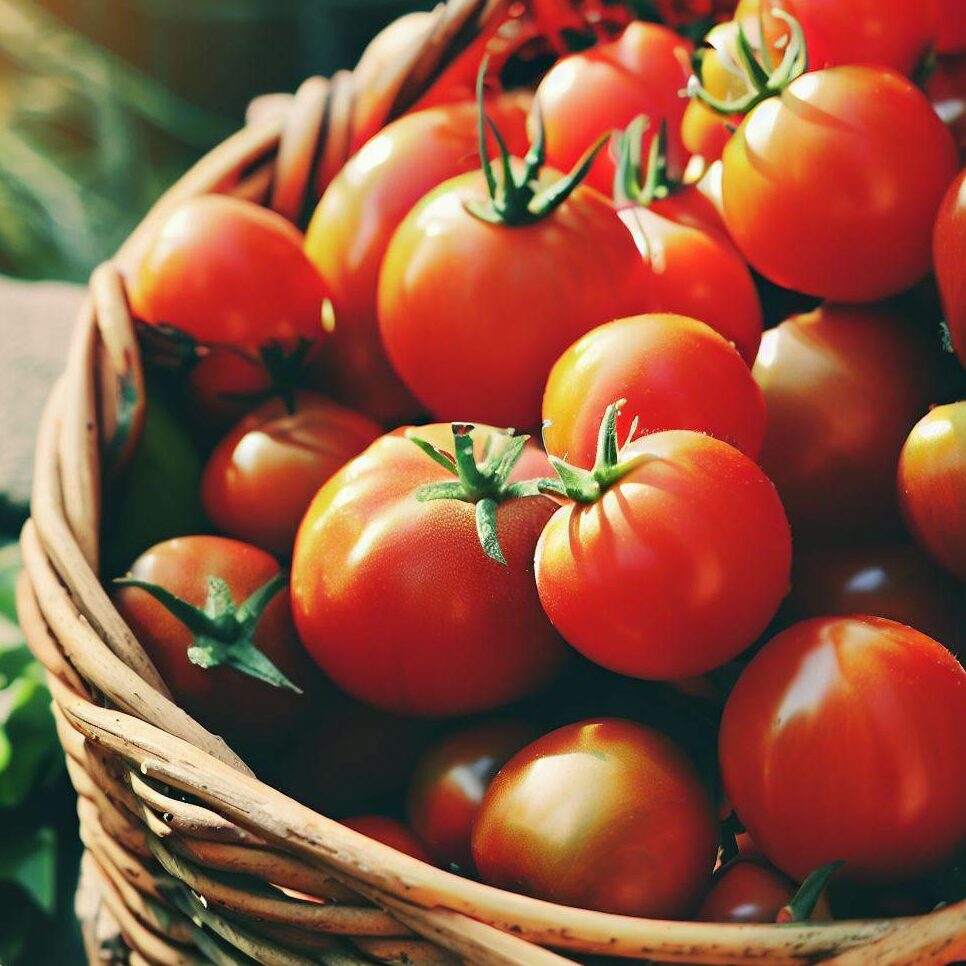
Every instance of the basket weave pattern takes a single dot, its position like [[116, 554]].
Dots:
[[185, 845]]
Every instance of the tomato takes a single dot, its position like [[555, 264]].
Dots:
[[353, 223], [673, 372], [230, 274], [396, 599], [932, 485], [391, 832], [612, 800], [262, 476], [672, 569], [843, 386], [845, 739], [746, 891], [950, 252], [946, 90], [893, 580], [236, 680], [474, 314], [603, 89], [856, 162], [877, 33], [448, 785], [951, 35]]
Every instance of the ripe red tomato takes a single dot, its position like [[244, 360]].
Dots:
[[845, 739], [230, 274], [951, 34], [673, 569], [946, 90], [746, 891], [603, 89], [856, 162], [893, 580], [391, 832], [949, 251], [474, 314], [613, 799], [449, 783], [877, 33], [843, 386], [221, 675], [673, 372], [262, 476], [351, 228], [396, 599], [932, 485]]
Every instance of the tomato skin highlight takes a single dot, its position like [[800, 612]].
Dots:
[[932, 485], [397, 601], [262, 476], [391, 832], [843, 386], [449, 783], [845, 739], [229, 272], [440, 309], [949, 250], [352, 227], [674, 372], [676, 569], [856, 162], [603, 814], [589, 93]]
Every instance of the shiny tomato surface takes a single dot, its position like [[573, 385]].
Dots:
[[949, 250]]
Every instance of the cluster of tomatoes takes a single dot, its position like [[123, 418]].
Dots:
[[593, 655]]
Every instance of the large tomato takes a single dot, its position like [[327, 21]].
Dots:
[[845, 739], [932, 485], [449, 783], [603, 89], [673, 372], [831, 188], [673, 567], [262, 476], [230, 276], [474, 312], [894, 580], [353, 223], [394, 595], [951, 35], [603, 814], [233, 667], [843, 386], [949, 251]]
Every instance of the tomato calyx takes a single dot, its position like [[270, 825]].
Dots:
[[763, 81], [515, 200], [633, 183], [588, 486], [485, 483], [802, 905], [222, 630]]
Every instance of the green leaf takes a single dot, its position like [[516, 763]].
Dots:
[[32, 752], [31, 862]]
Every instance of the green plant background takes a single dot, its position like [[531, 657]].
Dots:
[[103, 103]]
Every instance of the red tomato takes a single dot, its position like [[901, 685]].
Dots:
[[892, 580], [603, 89], [391, 832], [698, 272], [396, 599], [449, 784], [845, 739], [262, 476], [673, 372], [230, 274], [856, 162], [932, 485], [877, 33], [673, 569], [843, 386], [951, 35], [946, 90], [746, 891], [351, 228], [603, 814], [474, 314], [949, 249], [221, 697]]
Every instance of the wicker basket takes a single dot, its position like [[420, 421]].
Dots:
[[183, 844]]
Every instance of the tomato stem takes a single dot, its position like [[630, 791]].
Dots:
[[223, 633], [803, 903], [633, 183]]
